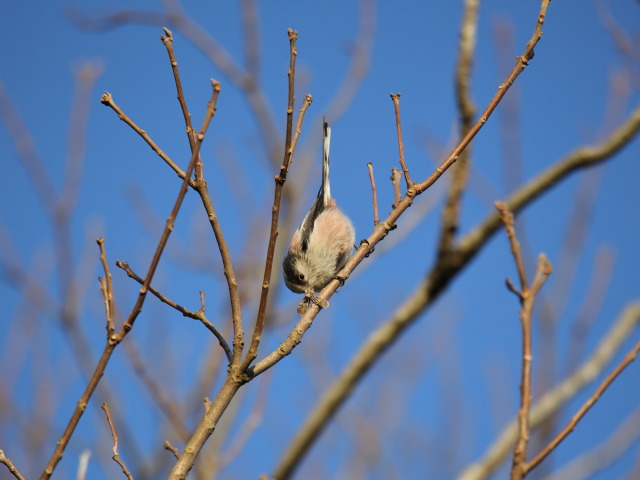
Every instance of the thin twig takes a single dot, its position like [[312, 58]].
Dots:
[[374, 195], [257, 332], [607, 452], [199, 315], [9, 464], [555, 399], [396, 106], [167, 41], [521, 63], [116, 456], [291, 140], [107, 288], [626, 361], [26, 151], [85, 79], [360, 60], [172, 449], [200, 186], [251, 36], [527, 297], [395, 181], [507, 219], [107, 99], [211, 108]]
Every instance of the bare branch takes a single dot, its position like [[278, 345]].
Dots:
[[9, 464], [426, 292], [167, 41], [107, 289], [395, 181], [603, 455], [29, 157], [107, 99], [172, 449], [507, 219], [527, 298], [374, 195], [440, 276], [199, 315], [116, 456], [556, 398], [116, 338], [291, 140], [396, 106], [626, 361]]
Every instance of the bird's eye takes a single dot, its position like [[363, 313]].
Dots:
[[301, 277]]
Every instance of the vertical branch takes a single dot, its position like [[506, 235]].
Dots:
[[527, 299], [257, 333], [107, 289], [376, 217], [395, 181], [168, 43], [116, 456], [200, 185], [396, 105], [507, 219], [280, 179]]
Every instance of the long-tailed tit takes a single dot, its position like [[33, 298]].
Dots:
[[323, 243]]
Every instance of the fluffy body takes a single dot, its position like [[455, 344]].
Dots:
[[323, 243], [329, 246]]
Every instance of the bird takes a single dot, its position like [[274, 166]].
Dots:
[[323, 242]]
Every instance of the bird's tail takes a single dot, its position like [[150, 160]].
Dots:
[[325, 189]]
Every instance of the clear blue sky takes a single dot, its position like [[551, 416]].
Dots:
[[466, 347]]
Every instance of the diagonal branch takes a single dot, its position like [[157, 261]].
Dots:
[[556, 398], [440, 275], [199, 315], [116, 338], [527, 297], [107, 99], [582, 411], [9, 464], [200, 185]]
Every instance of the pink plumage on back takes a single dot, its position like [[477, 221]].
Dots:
[[323, 243]]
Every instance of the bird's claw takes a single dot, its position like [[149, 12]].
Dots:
[[306, 302]]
